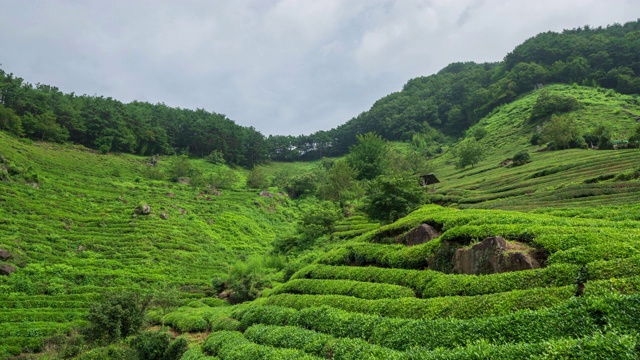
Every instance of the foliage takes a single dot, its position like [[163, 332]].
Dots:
[[156, 345], [166, 299], [521, 158], [561, 132], [116, 316], [468, 152], [257, 179], [216, 157], [301, 185], [247, 279], [368, 156], [180, 167], [634, 140], [339, 183], [392, 197], [223, 178], [10, 122], [549, 103]]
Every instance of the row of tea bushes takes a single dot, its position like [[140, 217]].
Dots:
[[389, 256], [233, 345], [574, 319], [459, 307], [363, 290]]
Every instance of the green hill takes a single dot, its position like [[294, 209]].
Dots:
[[67, 218]]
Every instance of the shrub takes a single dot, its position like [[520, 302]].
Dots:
[[180, 167], [116, 316], [468, 153], [392, 197], [257, 179], [363, 290], [548, 104], [216, 157], [521, 158], [247, 279]]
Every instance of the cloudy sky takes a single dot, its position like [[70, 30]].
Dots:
[[282, 66]]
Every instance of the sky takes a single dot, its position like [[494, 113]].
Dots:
[[285, 67]]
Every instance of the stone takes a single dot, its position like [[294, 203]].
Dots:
[[6, 270], [170, 194], [4, 254], [265, 193], [164, 216], [494, 255], [420, 235]]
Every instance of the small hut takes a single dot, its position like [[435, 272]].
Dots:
[[428, 179]]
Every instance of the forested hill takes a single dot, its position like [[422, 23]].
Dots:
[[447, 102], [462, 93], [43, 112]]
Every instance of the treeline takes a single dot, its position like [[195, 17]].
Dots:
[[462, 93], [445, 103], [43, 112]]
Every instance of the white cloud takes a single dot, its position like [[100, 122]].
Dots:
[[285, 67]]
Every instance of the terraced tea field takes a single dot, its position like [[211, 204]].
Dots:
[[373, 297], [73, 235]]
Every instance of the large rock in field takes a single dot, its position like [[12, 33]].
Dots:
[[495, 255], [420, 235], [6, 269], [4, 254]]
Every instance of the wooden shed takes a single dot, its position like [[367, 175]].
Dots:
[[428, 179]]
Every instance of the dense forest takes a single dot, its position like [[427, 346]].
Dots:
[[446, 103]]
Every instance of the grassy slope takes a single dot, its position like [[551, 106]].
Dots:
[[86, 201], [341, 307], [362, 319], [488, 185]]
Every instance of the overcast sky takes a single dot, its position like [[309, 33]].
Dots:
[[284, 67]]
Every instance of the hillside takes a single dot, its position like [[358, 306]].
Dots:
[[575, 177], [67, 218]]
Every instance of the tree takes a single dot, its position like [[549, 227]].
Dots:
[[339, 183], [257, 179], [561, 132], [9, 121], [180, 167], [166, 299], [392, 197], [468, 152], [368, 156], [116, 315]]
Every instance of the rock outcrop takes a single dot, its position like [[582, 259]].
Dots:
[[6, 269], [420, 235], [4, 254], [495, 255]]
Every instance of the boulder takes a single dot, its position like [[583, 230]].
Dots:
[[6, 269], [495, 255], [420, 235], [164, 216], [4, 254], [265, 193]]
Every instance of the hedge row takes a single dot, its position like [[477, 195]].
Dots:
[[574, 319], [232, 345], [363, 290], [389, 256], [582, 255], [597, 346], [318, 344], [459, 307], [429, 283]]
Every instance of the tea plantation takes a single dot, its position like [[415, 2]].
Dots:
[[539, 260]]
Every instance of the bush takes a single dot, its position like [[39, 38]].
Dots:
[[180, 167], [521, 158], [548, 104], [116, 316], [216, 157], [247, 279], [392, 197], [468, 152], [257, 179]]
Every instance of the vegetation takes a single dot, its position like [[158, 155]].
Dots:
[[326, 259]]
